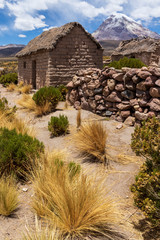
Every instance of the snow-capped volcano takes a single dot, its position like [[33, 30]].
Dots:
[[121, 27]]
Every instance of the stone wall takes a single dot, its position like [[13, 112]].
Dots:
[[75, 51], [127, 95], [25, 74]]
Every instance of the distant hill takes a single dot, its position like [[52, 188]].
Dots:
[[10, 50], [121, 27], [109, 46]]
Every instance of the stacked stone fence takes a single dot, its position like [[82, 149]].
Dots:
[[127, 95]]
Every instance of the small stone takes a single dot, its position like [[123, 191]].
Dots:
[[113, 97], [119, 126], [150, 81], [100, 107], [139, 93], [108, 113], [158, 82], [130, 121], [141, 86], [135, 79], [98, 97], [70, 85], [77, 105], [106, 91], [130, 85], [154, 104], [128, 94], [125, 114], [120, 87], [133, 102], [122, 106], [118, 76], [154, 92], [141, 116], [24, 189], [111, 84], [98, 90], [143, 74]]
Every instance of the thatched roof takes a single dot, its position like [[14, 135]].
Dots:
[[137, 46], [49, 39]]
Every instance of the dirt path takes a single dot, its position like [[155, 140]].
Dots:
[[119, 176]]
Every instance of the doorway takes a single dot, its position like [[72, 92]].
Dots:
[[34, 74]]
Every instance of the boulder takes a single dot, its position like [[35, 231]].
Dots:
[[143, 74], [128, 94], [154, 92], [111, 84], [157, 83], [125, 114], [141, 86], [106, 91], [154, 104], [150, 81], [130, 121], [118, 76], [141, 116], [119, 87], [114, 97]]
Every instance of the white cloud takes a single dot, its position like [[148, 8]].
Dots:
[[3, 28], [28, 17], [2, 3], [46, 29], [22, 36]]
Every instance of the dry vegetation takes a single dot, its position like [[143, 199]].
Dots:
[[90, 140], [29, 104], [8, 196], [72, 201], [20, 87], [12, 122]]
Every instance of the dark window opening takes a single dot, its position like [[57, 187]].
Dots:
[[24, 64]]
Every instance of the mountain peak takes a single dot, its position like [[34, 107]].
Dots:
[[118, 26]]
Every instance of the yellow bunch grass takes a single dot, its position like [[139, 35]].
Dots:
[[12, 87], [78, 206], [28, 103], [8, 196], [79, 120], [12, 122], [90, 140], [42, 232], [25, 89]]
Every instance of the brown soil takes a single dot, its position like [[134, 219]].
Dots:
[[119, 177]]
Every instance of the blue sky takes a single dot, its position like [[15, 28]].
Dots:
[[22, 20]]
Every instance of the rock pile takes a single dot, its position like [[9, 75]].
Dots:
[[127, 95]]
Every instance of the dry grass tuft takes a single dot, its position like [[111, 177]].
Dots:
[[12, 87], [28, 103], [12, 122], [91, 141], [25, 89], [42, 233], [75, 205], [8, 196], [79, 120]]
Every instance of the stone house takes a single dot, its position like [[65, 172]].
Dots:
[[54, 57], [146, 49]]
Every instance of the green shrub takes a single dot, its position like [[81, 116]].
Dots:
[[146, 140], [17, 152], [147, 193], [47, 94], [58, 125], [8, 78], [63, 91], [3, 104], [127, 62]]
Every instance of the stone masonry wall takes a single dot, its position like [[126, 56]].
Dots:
[[25, 74], [127, 95], [74, 52]]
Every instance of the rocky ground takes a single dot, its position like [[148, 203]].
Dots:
[[119, 176]]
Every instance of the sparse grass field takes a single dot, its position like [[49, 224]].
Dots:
[[76, 200], [10, 64]]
